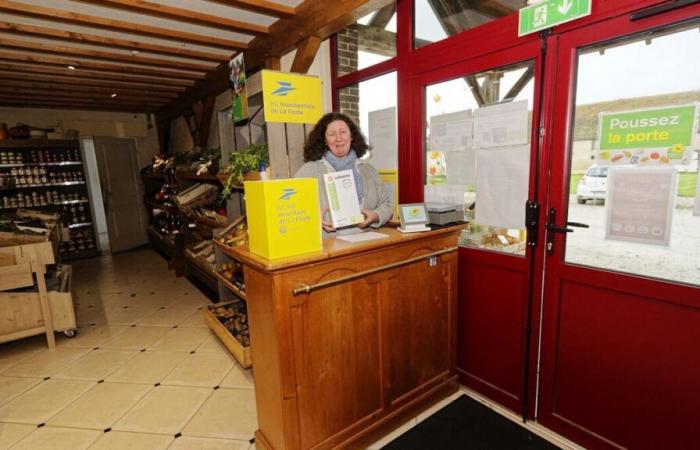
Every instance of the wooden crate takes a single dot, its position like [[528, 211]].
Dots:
[[242, 354]]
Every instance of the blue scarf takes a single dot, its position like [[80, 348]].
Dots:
[[348, 162]]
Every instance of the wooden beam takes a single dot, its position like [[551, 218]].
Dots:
[[204, 123], [96, 66], [80, 87], [491, 8], [68, 98], [71, 36], [69, 93], [306, 52], [80, 73], [59, 15], [180, 14], [261, 7], [77, 82], [383, 16], [376, 40], [522, 81], [97, 54], [476, 90], [319, 19], [52, 105], [273, 63]]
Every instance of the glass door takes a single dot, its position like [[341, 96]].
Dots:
[[480, 154], [621, 315]]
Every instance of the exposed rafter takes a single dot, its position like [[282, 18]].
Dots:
[[306, 52], [260, 6]]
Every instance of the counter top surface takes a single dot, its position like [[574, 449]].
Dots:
[[333, 248]]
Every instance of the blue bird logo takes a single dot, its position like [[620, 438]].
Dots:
[[284, 89], [287, 193]]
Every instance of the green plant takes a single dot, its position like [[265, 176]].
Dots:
[[248, 159]]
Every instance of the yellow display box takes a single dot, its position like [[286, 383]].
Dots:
[[283, 217]]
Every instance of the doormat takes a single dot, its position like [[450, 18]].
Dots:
[[466, 424]]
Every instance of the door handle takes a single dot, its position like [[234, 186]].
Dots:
[[551, 228], [577, 225]]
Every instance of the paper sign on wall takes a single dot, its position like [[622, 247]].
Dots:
[[640, 204], [501, 125], [382, 138], [659, 136], [390, 178], [291, 98], [342, 198]]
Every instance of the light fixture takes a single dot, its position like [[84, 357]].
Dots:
[[113, 95], [71, 67], [135, 52]]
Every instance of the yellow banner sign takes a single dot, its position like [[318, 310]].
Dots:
[[291, 98]]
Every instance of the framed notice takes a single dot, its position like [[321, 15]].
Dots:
[[640, 204]]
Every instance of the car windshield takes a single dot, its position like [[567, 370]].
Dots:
[[597, 172]]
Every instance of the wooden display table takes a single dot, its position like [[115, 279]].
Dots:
[[351, 340]]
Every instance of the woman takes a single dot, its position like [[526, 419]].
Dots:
[[336, 144]]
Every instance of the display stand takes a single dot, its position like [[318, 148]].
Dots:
[[25, 314]]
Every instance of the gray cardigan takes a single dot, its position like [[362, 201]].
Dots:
[[377, 197]]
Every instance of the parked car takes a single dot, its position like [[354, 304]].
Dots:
[[593, 185]]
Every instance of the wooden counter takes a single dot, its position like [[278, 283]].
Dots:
[[338, 365]]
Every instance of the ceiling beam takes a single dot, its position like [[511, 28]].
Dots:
[[306, 52], [81, 88], [85, 38], [70, 101], [96, 54], [7, 75], [71, 106], [80, 73], [59, 15], [69, 93], [180, 14], [319, 19], [383, 16], [97, 66], [260, 7], [491, 8]]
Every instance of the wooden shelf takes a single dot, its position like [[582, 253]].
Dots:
[[192, 176], [232, 287], [242, 354], [41, 143]]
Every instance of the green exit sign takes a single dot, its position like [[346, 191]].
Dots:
[[549, 13]]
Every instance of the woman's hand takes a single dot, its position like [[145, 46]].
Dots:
[[325, 223], [370, 218]]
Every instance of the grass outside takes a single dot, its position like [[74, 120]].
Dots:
[[687, 182]]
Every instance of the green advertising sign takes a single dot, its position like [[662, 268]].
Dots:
[[550, 13], [648, 136]]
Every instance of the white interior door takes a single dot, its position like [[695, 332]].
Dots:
[[118, 174]]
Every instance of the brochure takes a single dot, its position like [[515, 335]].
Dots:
[[342, 198]]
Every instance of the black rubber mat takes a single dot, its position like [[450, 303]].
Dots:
[[466, 424]]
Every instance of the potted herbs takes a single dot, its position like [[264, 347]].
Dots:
[[249, 163]]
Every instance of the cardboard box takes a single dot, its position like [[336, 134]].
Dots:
[[283, 217]]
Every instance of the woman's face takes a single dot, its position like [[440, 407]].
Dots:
[[338, 138]]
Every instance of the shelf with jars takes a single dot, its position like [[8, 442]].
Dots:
[[49, 176]]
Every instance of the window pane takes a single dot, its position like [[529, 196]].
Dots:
[[454, 149], [616, 176], [370, 40], [437, 19]]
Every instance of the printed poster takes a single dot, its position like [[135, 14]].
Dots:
[[640, 204], [451, 131], [502, 184], [239, 92], [291, 98], [647, 137], [436, 168], [390, 179], [504, 124], [342, 198], [383, 140]]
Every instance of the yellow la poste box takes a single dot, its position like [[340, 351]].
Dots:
[[283, 217]]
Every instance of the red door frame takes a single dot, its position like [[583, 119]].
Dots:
[[560, 276]]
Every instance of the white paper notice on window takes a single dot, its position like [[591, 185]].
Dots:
[[452, 194], [640, 204], [342, 198], [451, 131], [382, 138], [696, 210], [461, 166], [502, 186], [501, 125]]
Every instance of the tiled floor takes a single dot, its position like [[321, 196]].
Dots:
[[143, 373]]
